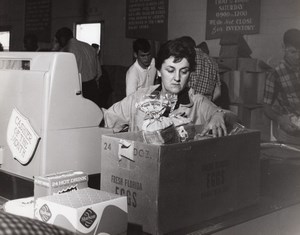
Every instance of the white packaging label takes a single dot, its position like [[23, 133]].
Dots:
[[21, 138]]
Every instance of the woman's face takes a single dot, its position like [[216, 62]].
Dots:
[[174, 75]]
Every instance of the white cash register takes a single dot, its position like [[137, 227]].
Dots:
[[46, 125]]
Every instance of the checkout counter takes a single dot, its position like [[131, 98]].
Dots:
[[46, 125]]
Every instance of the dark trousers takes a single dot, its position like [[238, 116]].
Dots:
[[90, 91]]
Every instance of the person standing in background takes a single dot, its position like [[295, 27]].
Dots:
[[98, 50], [87, 61], [203, 46], [142, 73], [282, 92], [223, 99], [1, 47], [31, 42], [205, 79]]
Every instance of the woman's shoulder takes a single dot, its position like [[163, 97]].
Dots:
[[195, 96], [147, 90]]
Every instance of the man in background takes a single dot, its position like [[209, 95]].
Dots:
[[282, 92], [30, 42], [205, 79], [143, 72], [87, 61]]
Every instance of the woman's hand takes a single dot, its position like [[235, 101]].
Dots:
[[216, 125]]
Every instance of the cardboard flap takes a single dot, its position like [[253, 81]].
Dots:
[[126, 149]]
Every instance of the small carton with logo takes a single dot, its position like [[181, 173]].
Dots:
[[85, 211], [60, 182], [170, 187]]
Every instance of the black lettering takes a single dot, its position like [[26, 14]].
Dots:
[[117, 191], [117, 180], [215, 178], [134, 203], [128, 194], [107, 146], [147, 154], [141, 153], [122, 192], [131, 196]]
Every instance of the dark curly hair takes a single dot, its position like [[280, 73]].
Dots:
[[292, 38], [178, 49], [64, 32], [141, 44]]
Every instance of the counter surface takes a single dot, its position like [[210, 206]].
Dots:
[[280, 190]]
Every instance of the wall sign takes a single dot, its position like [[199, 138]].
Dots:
[[21, 138], [241, 16], [38, 19], [147, 19]]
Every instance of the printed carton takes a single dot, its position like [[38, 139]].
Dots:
[[174, 186], [85, 211], [60, 182]]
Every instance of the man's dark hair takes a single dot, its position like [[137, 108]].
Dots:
[[30, 41], [178, 49], [141, 44], [292, 38], [1, 47], [65, 33], [189, 40], [203, 46]]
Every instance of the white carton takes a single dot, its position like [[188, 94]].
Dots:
[[85, 211], [60, 182]]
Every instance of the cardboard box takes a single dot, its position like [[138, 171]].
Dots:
[[229, 51], [245, 87], [60, 182], [253, 117], [242, 64], [21, 206], [173, 186], [85, 211], [234, 45]]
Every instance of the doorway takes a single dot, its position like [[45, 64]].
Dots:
[[4, 39], [89, 32]]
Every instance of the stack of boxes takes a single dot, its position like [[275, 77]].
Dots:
[[58, 183], [65, 200], [245, 79], [84, 211]]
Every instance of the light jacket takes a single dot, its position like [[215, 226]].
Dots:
[[195, 106]]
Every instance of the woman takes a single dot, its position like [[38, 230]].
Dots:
[[174, 62]]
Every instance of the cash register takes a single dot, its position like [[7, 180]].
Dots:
[[46, 125]]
